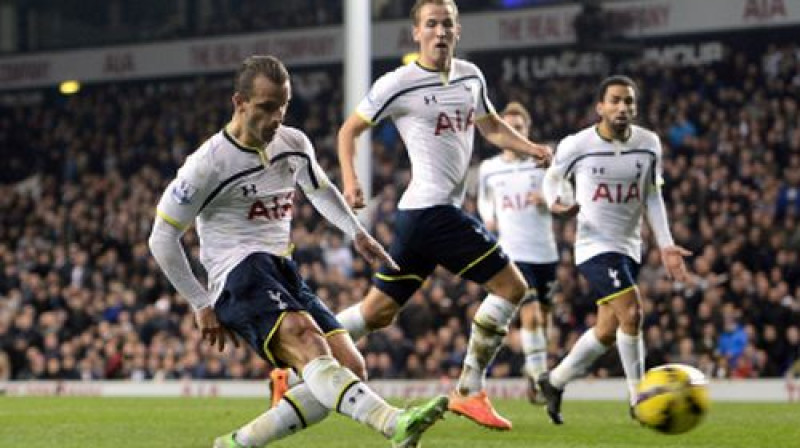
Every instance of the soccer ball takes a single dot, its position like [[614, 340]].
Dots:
[[672, 398]]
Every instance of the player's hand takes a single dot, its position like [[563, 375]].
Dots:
[[372, 251], [563, 210], [354, 195], [672, 257], [544, 157], [211, 330]]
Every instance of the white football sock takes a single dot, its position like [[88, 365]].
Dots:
[[585, 351], [489, 327], [534, 347], [631, 353], [296, 411], [353, 321], [339, 389]]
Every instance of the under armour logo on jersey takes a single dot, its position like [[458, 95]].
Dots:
[[431, 99], [275, 296], [598, 170], [614, 274], [638, 170], [247, 190]]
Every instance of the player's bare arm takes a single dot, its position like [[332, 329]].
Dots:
[[500, 134], [348, 133]]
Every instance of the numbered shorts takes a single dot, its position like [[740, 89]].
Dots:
[[541, 278], [440, 235], [610, 274], [259, 292]]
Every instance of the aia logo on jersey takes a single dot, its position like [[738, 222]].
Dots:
[[273, 208], [518, 201], [617, 193], [458, 122]]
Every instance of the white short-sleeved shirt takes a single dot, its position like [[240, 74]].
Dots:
[[240, 206], [612, 181], [435, 114], [525, 230]]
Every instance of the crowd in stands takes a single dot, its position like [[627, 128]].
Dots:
[[81, 297], [57, 25]]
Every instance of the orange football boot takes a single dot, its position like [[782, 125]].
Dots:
[[479, 409], [279, 384]]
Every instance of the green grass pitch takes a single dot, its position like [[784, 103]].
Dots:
[[68, 422]]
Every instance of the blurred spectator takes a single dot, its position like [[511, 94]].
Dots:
[[732, 341]]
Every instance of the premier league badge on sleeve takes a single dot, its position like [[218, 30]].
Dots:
[[183, 191]]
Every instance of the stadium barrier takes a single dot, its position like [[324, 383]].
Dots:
[[764, 390]]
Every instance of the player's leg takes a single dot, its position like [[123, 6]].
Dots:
[[266, 302], [611, 278], [630, 343], [534, 344], [535, 321], [461, 244], [592, 344], [300, 343], [297, 408], [489, 327], [392, 288], [376, 311]]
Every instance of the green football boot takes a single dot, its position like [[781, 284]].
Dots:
[[414, 421], [227, 441]]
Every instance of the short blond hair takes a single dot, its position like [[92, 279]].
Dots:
[[420, 3], [516, 108]]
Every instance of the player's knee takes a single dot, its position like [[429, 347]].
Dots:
[[632, 316]]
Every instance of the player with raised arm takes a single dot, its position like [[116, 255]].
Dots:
[[617, 172], [437, 103], [238, 187], [511, 204]]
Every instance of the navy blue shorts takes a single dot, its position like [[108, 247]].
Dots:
[[257, 294], [609, 274], [541, 280], [440, 235]]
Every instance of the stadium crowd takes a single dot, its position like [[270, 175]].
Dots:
[[77, 24], [81, 297]]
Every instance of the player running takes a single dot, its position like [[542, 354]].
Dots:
[[617, 171], [436, 104], [511, 204]]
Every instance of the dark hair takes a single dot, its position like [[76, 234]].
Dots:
[[269, 66], [516, 108], [615, 80], [420, 3]]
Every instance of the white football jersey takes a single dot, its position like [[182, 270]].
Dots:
[[239, 205], [612, 181], [525, 230], [435, 114]]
